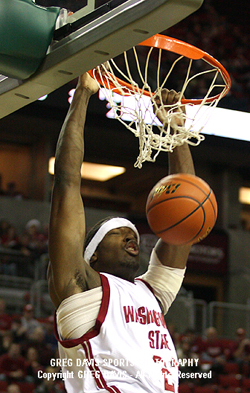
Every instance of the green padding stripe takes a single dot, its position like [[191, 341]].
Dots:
[[26, 31]]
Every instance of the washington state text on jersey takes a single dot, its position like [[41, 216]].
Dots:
[[143, 316]]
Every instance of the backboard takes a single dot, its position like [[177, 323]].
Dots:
[[97, 32]]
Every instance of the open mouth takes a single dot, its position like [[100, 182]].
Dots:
[[132, 247]]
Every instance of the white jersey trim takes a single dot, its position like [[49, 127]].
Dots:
[[99, 379]]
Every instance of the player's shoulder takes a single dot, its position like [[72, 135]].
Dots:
[[120, 283], [144, 284]]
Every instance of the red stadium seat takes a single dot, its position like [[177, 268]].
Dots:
[[205, 389], [245, 370], [26, 387], [185, 388], [3, 386], [231, 368], [227, 381], [246, 383], [229, 390]]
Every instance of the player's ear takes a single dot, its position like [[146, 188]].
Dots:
[[93, 259]]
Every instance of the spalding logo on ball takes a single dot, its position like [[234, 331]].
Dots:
[[181, 209]]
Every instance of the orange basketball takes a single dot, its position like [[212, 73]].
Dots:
[[181, 209]]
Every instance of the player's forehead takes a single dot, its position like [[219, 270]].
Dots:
[[122, 230]]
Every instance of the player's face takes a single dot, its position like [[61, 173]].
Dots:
[[118, 254]]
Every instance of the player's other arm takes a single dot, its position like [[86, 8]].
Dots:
[[68, 273], [180, 161]]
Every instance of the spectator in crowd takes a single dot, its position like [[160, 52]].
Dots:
[[212, 352], [241, 352], [10, 239], [50, 338], [37, 340], [175, 335], [5, 319], [29, 323], [18, 331], [188, 360], [24, 245], [48, 385], [13, 388], [33, 365], [212, 347], [37, 238], [4, 225], [5, 342], [194, 340], [13, 364], [185, 352], [32, 241]]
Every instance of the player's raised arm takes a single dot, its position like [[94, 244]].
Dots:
[[68, 273], [180, 161]]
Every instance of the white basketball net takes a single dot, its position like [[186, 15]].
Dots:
[[135, 111]]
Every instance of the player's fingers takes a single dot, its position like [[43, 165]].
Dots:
[[157, 102], [172, 97], [106, 65], [180, 96], [166, 97], [162, 97], [102, 68], [157, 99]]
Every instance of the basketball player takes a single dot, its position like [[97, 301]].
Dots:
[[110, 326]]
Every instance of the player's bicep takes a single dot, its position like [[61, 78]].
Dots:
[[66, 232]]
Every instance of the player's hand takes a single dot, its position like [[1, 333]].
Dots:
[[164, 110], [87, 82]]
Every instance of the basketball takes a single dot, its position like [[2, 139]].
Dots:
[[181, 209]]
